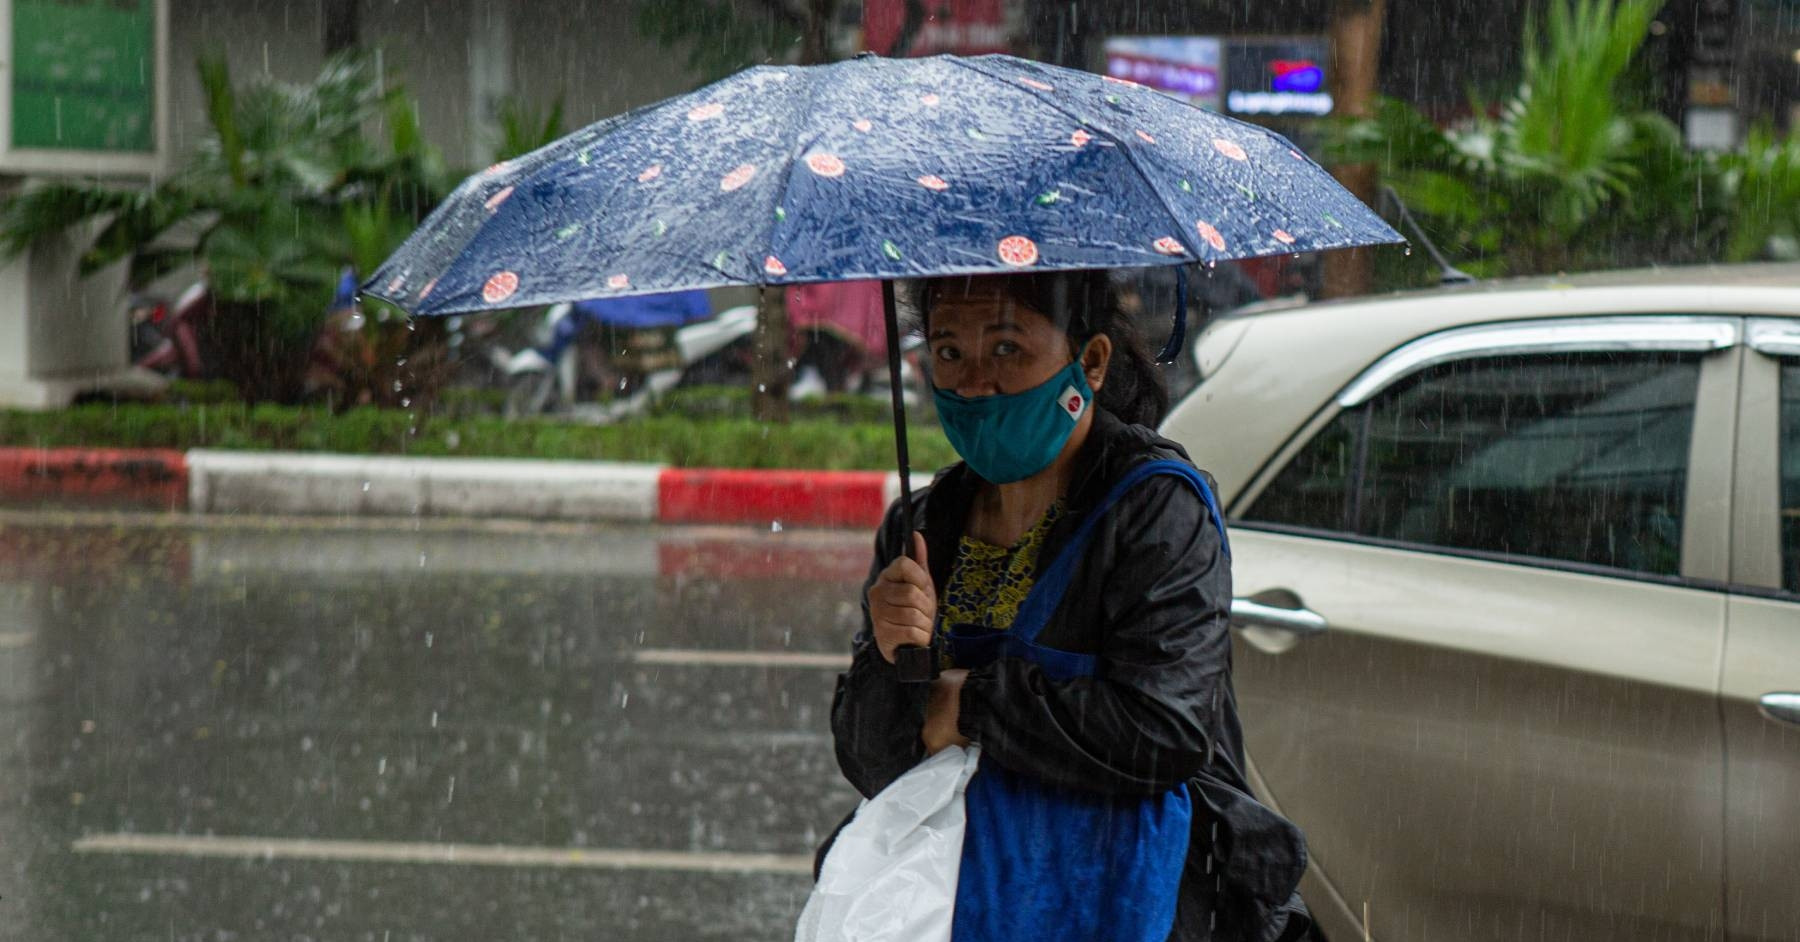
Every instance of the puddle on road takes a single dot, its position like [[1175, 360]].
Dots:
[[620, 691]]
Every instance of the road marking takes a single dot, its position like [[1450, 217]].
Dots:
[[278, 524], [481, 855], [15, 639], [697, 658]]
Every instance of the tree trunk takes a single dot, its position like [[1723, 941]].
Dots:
[[771, 374], [343, 26], [1356, 71], [910, 26], [815, 41]]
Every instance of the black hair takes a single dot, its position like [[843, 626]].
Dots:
[[1084, 304]]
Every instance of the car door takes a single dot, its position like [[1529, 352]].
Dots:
[[1482, 616], [1761, 680]]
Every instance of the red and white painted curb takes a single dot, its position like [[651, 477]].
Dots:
[[153, 477], [205, 481]]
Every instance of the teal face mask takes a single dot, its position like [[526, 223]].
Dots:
[[1011, 437]]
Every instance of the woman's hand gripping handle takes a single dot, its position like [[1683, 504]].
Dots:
[[903, 612]]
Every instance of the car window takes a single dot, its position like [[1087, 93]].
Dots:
[[1790, 476], [1574, 457]]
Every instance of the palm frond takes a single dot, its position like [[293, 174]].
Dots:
[[130, 218], [1397, 135], [221, 111], [1766, 179], [1574, 58], [147, 265], [523, 130]]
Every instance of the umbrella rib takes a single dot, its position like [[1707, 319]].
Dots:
[[1125, 148], [586, 135], [787, 183]]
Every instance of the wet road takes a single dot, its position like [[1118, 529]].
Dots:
[[295, 730]]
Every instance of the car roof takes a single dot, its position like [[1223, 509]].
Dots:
[[1748, 276], [1282, 365]]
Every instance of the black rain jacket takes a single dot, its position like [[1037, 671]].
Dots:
[[1152, 601]]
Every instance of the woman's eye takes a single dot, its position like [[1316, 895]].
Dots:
[[946, 354], [1005, 348]]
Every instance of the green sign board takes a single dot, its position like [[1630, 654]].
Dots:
[[84, 75]]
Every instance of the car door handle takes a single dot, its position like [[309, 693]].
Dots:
[[1262, 611], [1782, 707]]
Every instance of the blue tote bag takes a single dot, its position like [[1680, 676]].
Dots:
[[1046, 863]]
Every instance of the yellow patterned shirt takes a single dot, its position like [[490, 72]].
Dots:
[[988, 582]]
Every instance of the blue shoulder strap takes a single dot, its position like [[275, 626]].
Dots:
[[1047, 590]]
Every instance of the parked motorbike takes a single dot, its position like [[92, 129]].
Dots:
[[481, 347], [608, 375], [164, 336]]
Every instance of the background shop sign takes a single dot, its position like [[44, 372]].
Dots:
[[87, 87]]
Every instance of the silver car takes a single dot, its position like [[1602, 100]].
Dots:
[[1518, 568]]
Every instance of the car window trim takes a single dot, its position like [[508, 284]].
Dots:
[[1507, 559], [1271, 466], [1773, 336], [1670, 333], [1712, 459], [1757, 561], [1764, 592], [1706, 547]]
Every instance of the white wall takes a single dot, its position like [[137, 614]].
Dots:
[[58, 332], [589, 51], [258, 37]]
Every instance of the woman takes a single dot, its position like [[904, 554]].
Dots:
[[1130, 704]]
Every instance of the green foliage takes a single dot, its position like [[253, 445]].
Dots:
[[1765, 179], [1568, 173], [718, 402], [523, 130], [200, 392], [1563, 132], [287, 189], [810, 441], [716, 38]]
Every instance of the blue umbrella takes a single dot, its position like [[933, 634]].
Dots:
[[873, 168]]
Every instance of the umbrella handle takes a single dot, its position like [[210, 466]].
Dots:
[[1171, 350], [914, 664]]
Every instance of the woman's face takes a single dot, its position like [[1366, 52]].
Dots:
[[985, 343]]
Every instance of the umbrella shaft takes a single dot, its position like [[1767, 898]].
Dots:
[[891, 314]]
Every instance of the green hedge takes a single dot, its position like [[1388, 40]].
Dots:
[[680, 435]]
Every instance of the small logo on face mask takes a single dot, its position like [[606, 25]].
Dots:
[[1073, 402]]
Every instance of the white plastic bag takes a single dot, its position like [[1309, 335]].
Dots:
[[891, 874]]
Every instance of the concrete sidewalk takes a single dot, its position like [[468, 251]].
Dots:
[[227, 482]]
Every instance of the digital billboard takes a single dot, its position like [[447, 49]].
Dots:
[[1187, 67], [1276, 77], [1247, 76]]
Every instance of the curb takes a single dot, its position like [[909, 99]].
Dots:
[[227, 482], [140, 477], [793, 498]]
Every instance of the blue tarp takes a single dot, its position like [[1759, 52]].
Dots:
[[649, 310]]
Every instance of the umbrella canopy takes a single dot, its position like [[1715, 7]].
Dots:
[[872, 168]]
